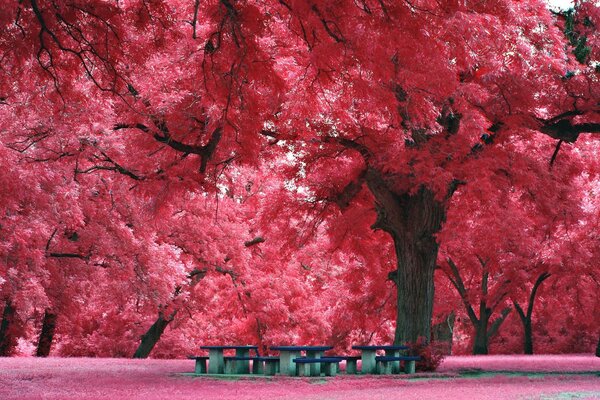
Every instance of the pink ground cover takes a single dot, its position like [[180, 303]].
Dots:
[[84, 378], [534, 363]]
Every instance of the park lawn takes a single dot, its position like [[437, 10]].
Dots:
[[460, 377]]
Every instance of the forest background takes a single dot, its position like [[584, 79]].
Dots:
[[207, 172]]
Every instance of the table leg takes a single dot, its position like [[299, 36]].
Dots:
[[242, 366], [395, 364], [368, 361], [315, 369], [286, 360], [200, 366], [351, 366], [215, 361]]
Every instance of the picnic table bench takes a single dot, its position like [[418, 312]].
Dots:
[[216, 361], [328, 365], [200, 367], [287, 354], [369, 352], [260, 364], [351, 363], [313, 362], [385, 364]]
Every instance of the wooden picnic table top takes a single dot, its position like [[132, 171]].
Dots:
[[383, 347], [246, 347], [301, 348]]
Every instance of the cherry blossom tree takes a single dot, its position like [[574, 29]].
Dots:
[[166, 98]]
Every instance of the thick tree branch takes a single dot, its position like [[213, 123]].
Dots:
[[351, 144], [343, 198], [70, 255], [496, 324], [113, 167], [205, 152], [195, 18], [458, 283], [543, 276], [254, 241], [453, 187], [520, 311], [566, 131]]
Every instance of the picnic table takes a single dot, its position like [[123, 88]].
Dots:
[[287, 354], [368, 354], [216, 363]]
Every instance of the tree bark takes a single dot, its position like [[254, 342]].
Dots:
[[47, 334], [152, 335], [8, 340], [412, 220]]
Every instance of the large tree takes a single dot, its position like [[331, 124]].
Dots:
[[379, 104]]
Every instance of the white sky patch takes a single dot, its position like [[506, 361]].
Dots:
[[560, 4]]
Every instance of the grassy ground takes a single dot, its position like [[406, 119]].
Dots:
[[483, 377]]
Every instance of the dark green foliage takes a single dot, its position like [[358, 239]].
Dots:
[[581, 50]]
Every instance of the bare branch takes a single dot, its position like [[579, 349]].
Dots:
[[555, 153], [254, 241], [70, 255]]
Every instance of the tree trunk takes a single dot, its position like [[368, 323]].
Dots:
[[598, 347], [528, 339], [8, 340], [480, 346], [47, 334], [526, 316], [412, 220], [415, 293], [442, 334], [152, 335]]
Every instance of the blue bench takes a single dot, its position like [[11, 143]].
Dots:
[[385, 363], [351, 363], [260, 364], [329, 365], [369, 352], [200, 367]]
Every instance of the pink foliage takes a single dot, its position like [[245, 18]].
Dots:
[[145, 146]]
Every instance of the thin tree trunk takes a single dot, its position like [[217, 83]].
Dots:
[[47, 334], [528, 340], [442, 333], [412, 220], [526, 317], [8, 341], [483, 331], [152, 335]]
